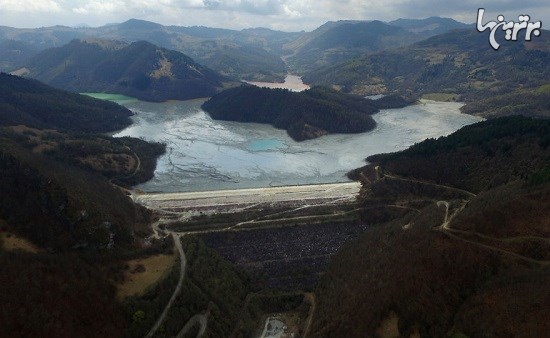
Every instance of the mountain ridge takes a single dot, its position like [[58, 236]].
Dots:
[[429, 26], [206, 45], [344, 40], [31, 103], [252, 54], [139, 69], [459, 62]]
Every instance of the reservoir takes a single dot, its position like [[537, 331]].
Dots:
[[204, 154]]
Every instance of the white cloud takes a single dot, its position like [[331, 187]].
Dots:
[[290, 15], [30, 6], [99, 7]]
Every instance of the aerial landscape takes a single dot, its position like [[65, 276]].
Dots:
[[274, 169]]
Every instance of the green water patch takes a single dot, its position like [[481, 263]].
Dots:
[[118, 98]]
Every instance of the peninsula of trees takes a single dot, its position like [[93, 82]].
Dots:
[[304, 115]]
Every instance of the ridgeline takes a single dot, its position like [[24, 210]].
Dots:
[[141, 70], [460, 63], [34, 104]]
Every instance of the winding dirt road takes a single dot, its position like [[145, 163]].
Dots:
[[399, 178], [200, 319], [455, 234], [313, 304], [183, 262]]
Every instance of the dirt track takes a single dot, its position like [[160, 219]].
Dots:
[[183, 263]]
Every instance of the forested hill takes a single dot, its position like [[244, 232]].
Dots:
[[54, 165], [34, 104], [344, 40], [460, 236], [339, 41], [305, 115], [459, 62], [249, 54], [65, 228], [430, 26], [15, 53], [140, 70]]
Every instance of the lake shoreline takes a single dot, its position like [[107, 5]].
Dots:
[[205, 154]]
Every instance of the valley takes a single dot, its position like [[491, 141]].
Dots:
[[252, 54], [287, 235], [364, 178]]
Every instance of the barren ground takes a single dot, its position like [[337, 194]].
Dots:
[[136, 283]]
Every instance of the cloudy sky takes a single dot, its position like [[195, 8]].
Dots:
[[288, 15]]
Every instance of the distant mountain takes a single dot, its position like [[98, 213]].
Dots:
[[245, 54], [44, 37], [429, 26], [247, 62], [344, 40], [250, 54], [306, 38], [458, 62], [254, 54], [140, 70], [14, 54], [460, 235], [138, 25], [304, 115]]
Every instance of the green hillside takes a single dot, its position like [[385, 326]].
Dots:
[[459, 237], [430, 26], [34, 104], [58, 172], [14, 54], [212, 286], [59, 200], [340, 41], [533, 102], [459, 62], [140, 70]]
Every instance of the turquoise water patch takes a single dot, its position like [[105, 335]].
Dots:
[[118, 98], [266, 144]]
